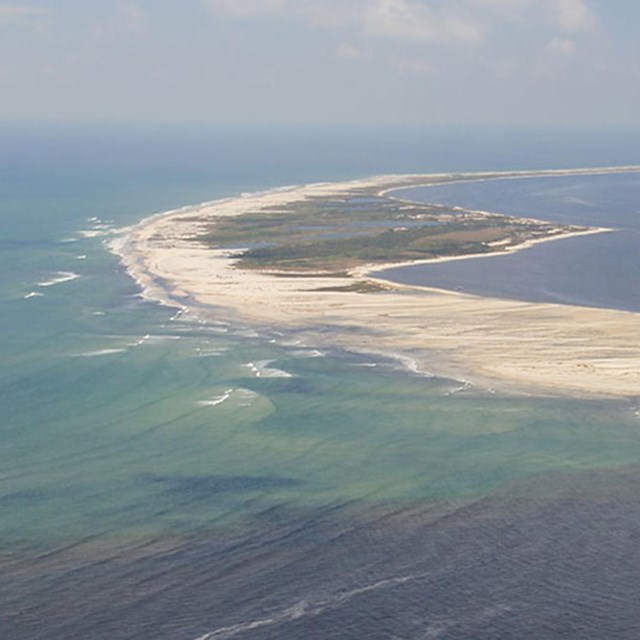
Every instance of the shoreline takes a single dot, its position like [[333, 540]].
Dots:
[[505, 344], [368, 271], [514, 175]]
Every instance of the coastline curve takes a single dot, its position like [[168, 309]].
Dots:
[[504, 344]]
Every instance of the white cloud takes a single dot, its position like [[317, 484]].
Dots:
[[464, 23], [463, 31], [503, 8], [569, 16], [131, 18], [407, 20], [399, 19], [414, 21], [557, 58], [349, 51], [128, 20], [410, 66], [504, 5], [329, 14], [572, 15], [244, 8], [561, 46]]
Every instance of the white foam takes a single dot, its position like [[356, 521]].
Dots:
[[210, 353], [308, 353], [61, 276], [304, 608], [218, 329], [81, 257], [142, 340], [33, 294], [465, 386], [247, 333], [93, 233], [214, 402], [246, 396], [100, 352], [291, 343], [182, 311], [98, 227], [117, 243], [152, 338], [261, 369], [412, 365]]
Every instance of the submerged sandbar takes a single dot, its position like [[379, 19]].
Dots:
[[302, 257]]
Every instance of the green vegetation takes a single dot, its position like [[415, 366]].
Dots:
[[337, 235]]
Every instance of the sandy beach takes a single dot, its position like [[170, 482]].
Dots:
[[500, 344]]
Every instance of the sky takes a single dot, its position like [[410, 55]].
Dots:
[[428, 62]]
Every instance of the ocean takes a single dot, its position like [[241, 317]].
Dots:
[[184, 480]]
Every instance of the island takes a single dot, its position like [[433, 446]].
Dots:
[[303, 259]]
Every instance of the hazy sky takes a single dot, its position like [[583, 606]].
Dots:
[[374, 61]]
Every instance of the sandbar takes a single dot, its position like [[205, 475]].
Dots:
[[497, 344]]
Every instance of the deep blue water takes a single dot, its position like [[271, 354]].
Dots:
[[151, 485], [600, 270]]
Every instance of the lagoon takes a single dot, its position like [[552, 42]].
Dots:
[[598, 270]]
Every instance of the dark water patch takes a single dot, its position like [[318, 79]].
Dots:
[[24, 498], [363, 201], [293, 385], [552, 557], [392, 224], [594, 271], [203, 487], [597, 271]]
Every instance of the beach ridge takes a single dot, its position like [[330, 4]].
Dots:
[[548, 348]]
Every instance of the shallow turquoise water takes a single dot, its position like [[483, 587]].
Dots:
[[132, 437]]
